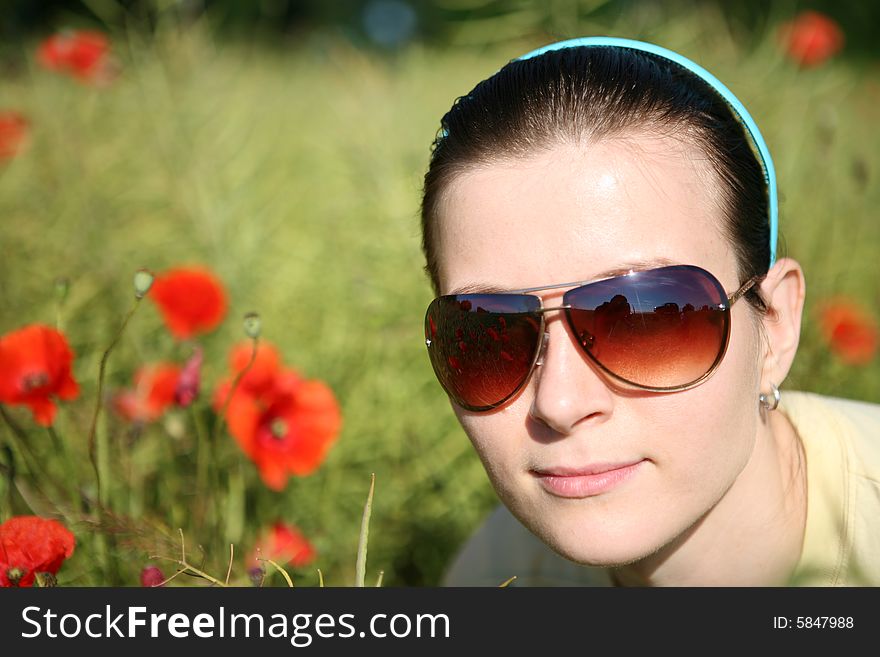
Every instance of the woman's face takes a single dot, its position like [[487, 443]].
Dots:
[[571, 213]]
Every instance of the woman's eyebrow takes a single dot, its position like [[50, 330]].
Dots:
[[478, 288], [636, 265], [619, 270]]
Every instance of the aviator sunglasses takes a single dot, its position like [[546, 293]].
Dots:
[[662, 329]]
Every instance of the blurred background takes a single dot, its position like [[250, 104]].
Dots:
[[282, 144]]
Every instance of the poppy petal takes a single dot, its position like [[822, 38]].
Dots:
[[192, 301], [35, 365], [30, 544]]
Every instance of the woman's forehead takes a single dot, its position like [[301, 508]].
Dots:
[[579, 210]]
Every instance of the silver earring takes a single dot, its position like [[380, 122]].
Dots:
[[765, 399]]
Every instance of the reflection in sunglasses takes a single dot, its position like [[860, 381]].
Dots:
[[660, 329]]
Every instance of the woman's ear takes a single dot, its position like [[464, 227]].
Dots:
[[784, 290]]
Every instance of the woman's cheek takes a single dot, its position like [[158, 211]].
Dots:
[[498, 445]]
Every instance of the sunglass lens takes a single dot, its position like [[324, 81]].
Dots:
[[483, 346], [661, 328]]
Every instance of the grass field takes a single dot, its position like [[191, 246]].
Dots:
[[294, 173]]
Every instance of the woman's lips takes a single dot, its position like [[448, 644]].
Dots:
[[587, 481]]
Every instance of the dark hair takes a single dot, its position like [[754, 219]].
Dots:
[[594, 92]]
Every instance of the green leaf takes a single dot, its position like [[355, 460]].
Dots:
[[361, 567]]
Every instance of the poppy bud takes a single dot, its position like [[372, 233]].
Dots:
[[143, 281], [188, 384], [257, 575], [62, 288], [252, 325], [45, 580], [151, 576]]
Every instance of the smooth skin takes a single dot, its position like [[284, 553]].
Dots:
[[719, 495]]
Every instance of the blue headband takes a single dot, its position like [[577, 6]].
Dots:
[[734, 103]]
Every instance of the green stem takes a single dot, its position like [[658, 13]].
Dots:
[[99, 400], [361, 565], [9, 475], [19, 436], [218, 425], [280, 570], [202, 457], [103, 464], [19, 440], [69, 474], [234, 515], [186, 566]]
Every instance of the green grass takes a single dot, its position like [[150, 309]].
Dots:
[[295, 174]]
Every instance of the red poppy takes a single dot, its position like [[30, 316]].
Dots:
[[13, 134], [811, 38], [83, 54], [284, 544], [154, 391], [192, 301], [260, 377], [35, 364], [286, 430], [31, 545], [850, 332], [285, 424]]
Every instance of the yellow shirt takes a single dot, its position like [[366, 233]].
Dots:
[[841, 547]]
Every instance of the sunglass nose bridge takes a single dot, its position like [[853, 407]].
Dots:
[[543, 349], [544, 310]]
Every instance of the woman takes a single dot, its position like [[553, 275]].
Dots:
[[612, 328]]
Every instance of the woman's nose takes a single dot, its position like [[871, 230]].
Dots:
[[568, 390]]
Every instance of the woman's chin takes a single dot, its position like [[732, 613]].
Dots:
[[601, 554], [602, 545], [603, 531]]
